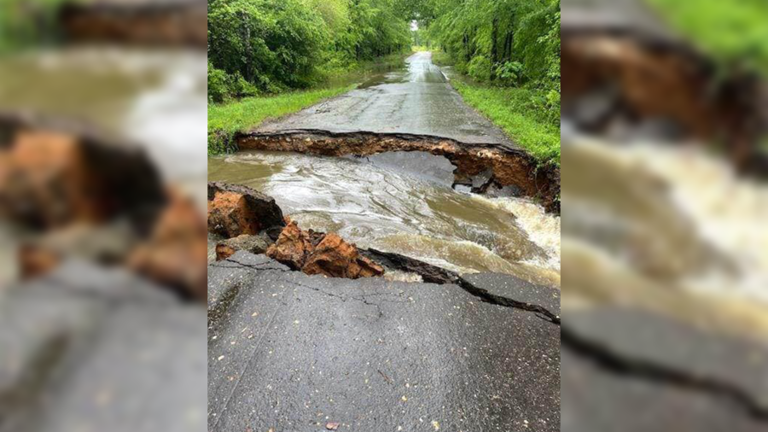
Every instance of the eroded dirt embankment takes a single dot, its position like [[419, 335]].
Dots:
[[163, 22], [478, 166], [76, 193], [621, 79]]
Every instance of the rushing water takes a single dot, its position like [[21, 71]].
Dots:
[[156, 98], [671, 228], [403, 202]]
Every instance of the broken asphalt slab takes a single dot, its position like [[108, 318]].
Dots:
[[95, 350], [292, 352], [629, 370]]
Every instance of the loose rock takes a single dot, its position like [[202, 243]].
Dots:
[[321, 254], [234, 210], [176, 254], [334, 257], [52, 176]]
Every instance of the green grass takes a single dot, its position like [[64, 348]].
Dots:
[[518, 111], [729, 29], [512, 110], [441, 58], [224, 120], [20, 22]]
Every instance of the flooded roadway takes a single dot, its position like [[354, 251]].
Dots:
[[403, 203], [417, 99]]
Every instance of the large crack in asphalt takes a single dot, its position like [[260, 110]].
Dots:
[[288, 332], [655, 369], [602, 355], [433, 274], [429, 274], [511, 168]]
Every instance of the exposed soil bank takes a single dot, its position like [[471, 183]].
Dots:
[[165, 22], [640, 77], [478, 166], [76, 192]]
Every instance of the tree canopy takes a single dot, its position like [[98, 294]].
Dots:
[[508, 41], [265, 46]]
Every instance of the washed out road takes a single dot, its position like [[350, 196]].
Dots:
[[418, 100], [298, 353]]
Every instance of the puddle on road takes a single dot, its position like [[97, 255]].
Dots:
[[415, 69], [403, 203]]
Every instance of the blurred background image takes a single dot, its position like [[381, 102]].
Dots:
[[665, 241], [102, 231]]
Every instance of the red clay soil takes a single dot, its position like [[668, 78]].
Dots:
[[321, 254]]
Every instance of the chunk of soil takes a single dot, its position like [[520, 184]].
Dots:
[[176, 254], [234, 210], [321, 254], [82, 194], [53, 178], [334, 257]]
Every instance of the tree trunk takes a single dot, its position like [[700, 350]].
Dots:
[[494, 47]]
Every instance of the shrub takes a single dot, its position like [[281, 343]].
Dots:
[[480, 68], [218, 85]]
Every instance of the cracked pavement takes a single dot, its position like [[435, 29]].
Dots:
[[291, 352], [630, 370]]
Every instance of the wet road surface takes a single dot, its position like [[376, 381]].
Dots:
[[91, 349], [418, 100], [289, 352]]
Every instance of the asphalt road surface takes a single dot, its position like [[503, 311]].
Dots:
[[416, 100], [290, 352], [89, 349]]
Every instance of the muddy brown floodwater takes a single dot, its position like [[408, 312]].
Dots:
[[155, 97], [403, 202], [684, 234]]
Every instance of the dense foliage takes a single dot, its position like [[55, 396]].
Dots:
[[507, 43], [267, 46]]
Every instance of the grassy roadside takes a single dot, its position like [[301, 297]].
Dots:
[[730, 30], [514, 110], [511, 110], [28, 23], [227, 119]]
